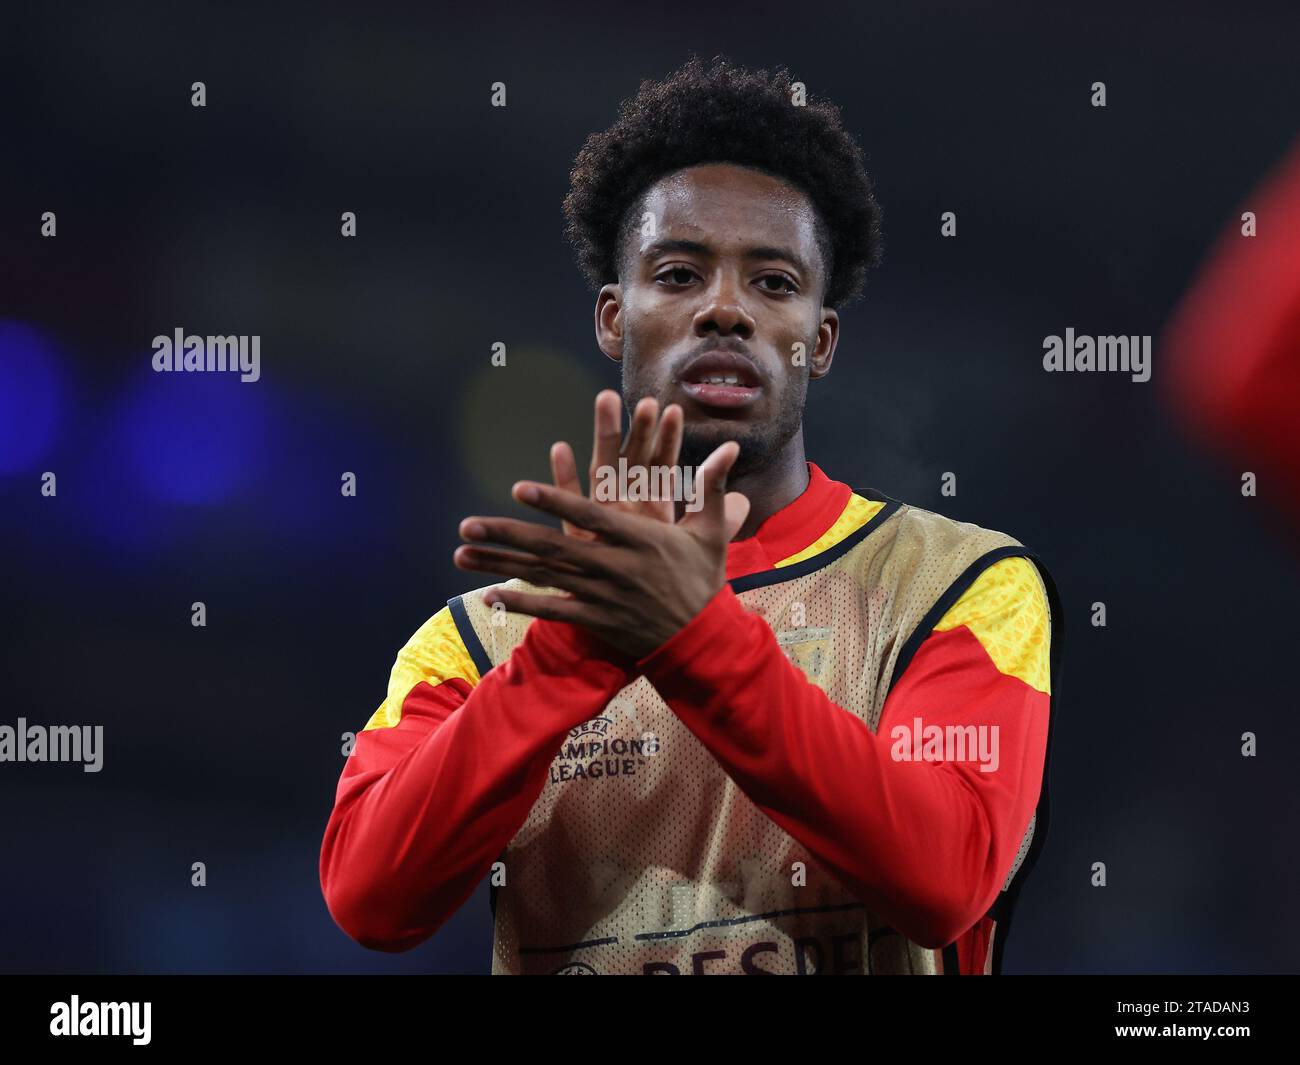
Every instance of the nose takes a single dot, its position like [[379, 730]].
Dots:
[[723, 311]]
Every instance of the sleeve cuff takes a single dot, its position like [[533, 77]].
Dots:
[[723, 621], [579, 645]]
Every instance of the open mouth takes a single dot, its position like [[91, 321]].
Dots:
[[721, 379]]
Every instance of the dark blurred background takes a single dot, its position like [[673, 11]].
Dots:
[[223, 744]]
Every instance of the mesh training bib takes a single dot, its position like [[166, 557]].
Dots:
[[642, 856]]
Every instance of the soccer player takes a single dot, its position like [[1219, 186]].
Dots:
[[779, 726]]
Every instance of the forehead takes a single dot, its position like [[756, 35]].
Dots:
[[729, 206]]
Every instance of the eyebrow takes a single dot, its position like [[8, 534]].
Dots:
[[758, 251]]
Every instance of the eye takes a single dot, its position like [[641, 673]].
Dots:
[[783, 280], [676, 270]]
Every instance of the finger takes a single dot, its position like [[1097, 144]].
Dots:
[[481, 554], [668, 440], [564, 472], [712, 485], [541, 540], [564, 469], [534, 571], [611, 525], [551, 607], [641, 437], [608, 432], [667, 446]]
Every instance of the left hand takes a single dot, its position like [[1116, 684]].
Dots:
[[636, 585], [652, 442]]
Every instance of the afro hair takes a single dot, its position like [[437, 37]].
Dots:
[[717, 112]]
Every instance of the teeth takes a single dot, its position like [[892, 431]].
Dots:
[[719, 379]]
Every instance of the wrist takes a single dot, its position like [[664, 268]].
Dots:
[[699, 635]]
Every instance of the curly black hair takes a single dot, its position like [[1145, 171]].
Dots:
[[715, 111]]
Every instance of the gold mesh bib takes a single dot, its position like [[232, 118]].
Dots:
[[642, 856]]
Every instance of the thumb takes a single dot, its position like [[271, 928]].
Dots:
[[711, 518], [736, 505]]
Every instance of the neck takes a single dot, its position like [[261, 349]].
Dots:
[[771, 488]]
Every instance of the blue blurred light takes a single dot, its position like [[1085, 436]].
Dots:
[[192, 438], [32, 396], [163, 464]]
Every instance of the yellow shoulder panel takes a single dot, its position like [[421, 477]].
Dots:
[[1006, 610], [857, 512], [435, 653]]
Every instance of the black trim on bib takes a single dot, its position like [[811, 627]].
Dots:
[[822, 558], [460, 616], [945, 603], [1004, 905]]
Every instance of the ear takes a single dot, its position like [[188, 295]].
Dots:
[[609, 321], [828, 335]]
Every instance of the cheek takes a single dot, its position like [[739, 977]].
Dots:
[[794, 363], [646, 336], [793, 387], [647, 324]]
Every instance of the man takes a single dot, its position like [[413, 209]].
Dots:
[[776, 725]]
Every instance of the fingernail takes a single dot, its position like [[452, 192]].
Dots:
[[474, 530]]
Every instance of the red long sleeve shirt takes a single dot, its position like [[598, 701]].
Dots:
[[424, 807], [925, 844], [426, 804]]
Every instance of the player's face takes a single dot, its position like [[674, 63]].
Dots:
[[723, 261]]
